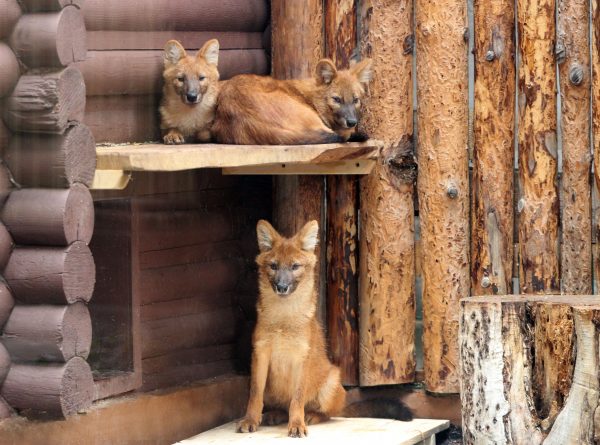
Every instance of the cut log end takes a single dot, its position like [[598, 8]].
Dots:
[[7, 302], [4, 363], [9, 70], [6, 247], [52, 390]]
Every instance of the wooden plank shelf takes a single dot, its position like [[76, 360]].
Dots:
[[115, 162], [337, 430]]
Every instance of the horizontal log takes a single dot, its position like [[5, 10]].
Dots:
[[120, 119], [10, 11], [50, 217], [5, 362], [189, 15], [49, 5], [188, 331], [185, 357], [7, 302], [46, 101], [187, 374], [9, 69], [51, 275], [48, 333], [129, 40], [203, 302], [196, 253], [6, 246], [136, 72], [188, 280], [50, 39], [54, 161], [49, 390]]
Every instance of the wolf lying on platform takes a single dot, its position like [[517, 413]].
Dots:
[[291, 372]]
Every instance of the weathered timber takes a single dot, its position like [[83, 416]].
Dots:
[[387, 292], [297, 46], [136, 72], [49, 390], [492, 217], [538, 204], [342, 216], [10, 11], [54, 161], [48, 333], [50, 217], [4, 363], [46, 101], [189, 15], [49, 5], [187, 374], [443, 186], [7, 302], [575, 191], [50, 39], [595, 61], [9, 69], [51, 275], [6, 246]]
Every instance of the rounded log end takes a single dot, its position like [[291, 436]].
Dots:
[[4, 363], [70, 36], [72, 92], [77, 331], [80, 155], [7, 302], [9, 70], [79, 215], [6, 246], [79, 275], [77, 387]]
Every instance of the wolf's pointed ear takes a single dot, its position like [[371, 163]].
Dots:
[[363, 70], [308, 236], [266, 235], [210, 52], [174, 52], [325, 72]]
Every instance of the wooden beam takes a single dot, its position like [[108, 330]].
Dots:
[[443, 184], [492, 209], [358, 167], [110, 180]]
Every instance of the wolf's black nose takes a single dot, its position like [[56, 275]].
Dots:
[[191, 97], [351, 122], [282, 288]]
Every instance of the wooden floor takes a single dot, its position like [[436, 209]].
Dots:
[[336, 431]]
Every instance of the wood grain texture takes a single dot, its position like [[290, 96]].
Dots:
[[342, 215], [189, 15], [53, 161], [49, 5], [52, 39], [4, 363], [538, 205], [595, 62], [387, 266], [10, 11], [9, 69], [575, 191], [50, 217], [5, 410], [443, 185], [7, 302], [46, 101], [51, 275], [48, 333], [49, 390], [492, 217]]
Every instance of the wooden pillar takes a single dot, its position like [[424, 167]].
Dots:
[[595, 61], [297, 30], [387, 256], [342, 216], [443, 186], [493, 154], [538, 204]]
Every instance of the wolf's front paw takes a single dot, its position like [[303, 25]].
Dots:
[[173, 137], [297, 428], [247, 425]]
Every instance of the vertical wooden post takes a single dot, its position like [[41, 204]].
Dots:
[[493, 155], [387, 255], [538, 204], [595, 60], [443, 185], [297, 30], [574, 70], [342, 216]]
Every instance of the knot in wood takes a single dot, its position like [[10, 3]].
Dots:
[[452, 192], [466, 35], [576, 74], [490, 55], [486, 282]]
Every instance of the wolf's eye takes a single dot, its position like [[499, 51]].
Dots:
[[273, 266], [355, 100], [295, 266], [201, 78], [181, 78], [337, 99]]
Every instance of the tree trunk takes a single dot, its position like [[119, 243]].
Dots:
[[442, 183], [342, 216], [493, 155], [538, 205]]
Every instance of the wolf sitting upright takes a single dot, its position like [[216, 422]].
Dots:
[[291, 372], [190, 93]]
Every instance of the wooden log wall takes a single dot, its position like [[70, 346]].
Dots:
[[124, 63], [49, 216]]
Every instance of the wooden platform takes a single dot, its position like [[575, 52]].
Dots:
[[336, 431], [115, 162]]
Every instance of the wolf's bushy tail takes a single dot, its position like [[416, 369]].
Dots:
[[380, 409]]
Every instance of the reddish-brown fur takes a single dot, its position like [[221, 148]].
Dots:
[[186, 77], [262, 110]]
